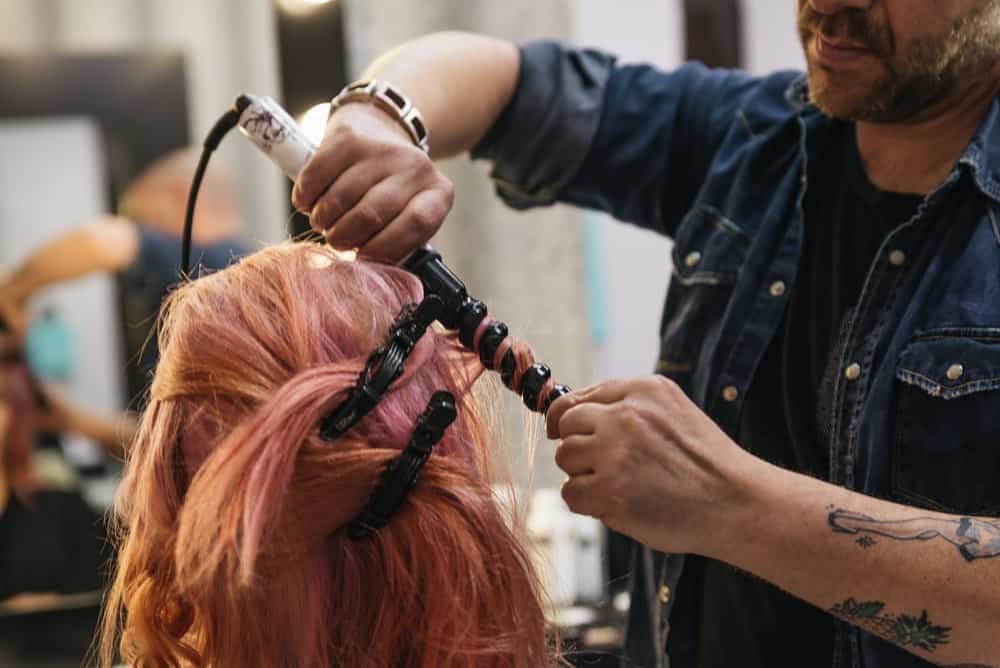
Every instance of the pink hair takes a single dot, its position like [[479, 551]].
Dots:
[[233, 510]]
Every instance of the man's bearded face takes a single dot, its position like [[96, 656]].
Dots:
[[880, 64]]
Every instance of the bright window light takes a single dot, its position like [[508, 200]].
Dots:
[[300, 7], [313, 122]]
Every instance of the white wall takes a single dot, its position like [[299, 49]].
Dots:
[[633, 264], [52, 176], [770, 39]]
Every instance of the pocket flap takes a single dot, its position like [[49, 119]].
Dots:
[[708, 248], [952, 363]]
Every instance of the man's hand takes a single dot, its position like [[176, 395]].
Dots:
[[369, 187], [646, 461]]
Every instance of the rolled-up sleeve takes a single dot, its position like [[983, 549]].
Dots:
[[630, 140], [542, 137]]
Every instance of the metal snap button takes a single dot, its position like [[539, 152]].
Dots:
[[730, 393], [777, 288], [692, 259], [664, 594], [955, 371], [853, 371], [897, 258]]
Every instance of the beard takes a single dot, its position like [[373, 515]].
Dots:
[[931, 69]]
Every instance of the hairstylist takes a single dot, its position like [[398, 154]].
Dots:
[[827, 414]]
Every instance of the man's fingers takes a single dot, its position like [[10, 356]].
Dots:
[[343, 195], [581, 420], [380, 205], [556, 412], [576, 455], [318, 174], [603, 393], [582, 494], [415, 225], [607, 392]]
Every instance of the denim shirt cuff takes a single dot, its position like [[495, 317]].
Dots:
[[540, 140]]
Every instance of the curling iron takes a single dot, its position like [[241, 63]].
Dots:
[[265, 123]]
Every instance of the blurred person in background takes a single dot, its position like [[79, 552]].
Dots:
[[140, 246], [52, 542], [50, 539], [829, 339]]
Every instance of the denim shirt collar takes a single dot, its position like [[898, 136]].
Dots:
[[981, 155]]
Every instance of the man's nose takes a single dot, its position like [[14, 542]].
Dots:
[[833, 6]]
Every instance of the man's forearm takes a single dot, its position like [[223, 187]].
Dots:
[[923, 580], [460, 82]]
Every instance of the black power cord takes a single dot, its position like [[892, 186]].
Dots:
[[226, 122]]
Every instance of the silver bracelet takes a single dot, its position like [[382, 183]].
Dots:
[[389, 98]]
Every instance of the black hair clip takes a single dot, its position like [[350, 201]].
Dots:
[[383, 367], [402, 473]]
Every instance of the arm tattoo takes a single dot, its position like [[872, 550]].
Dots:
[[904, 630], [974, 538]]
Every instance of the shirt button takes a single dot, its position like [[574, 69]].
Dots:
[[692, 259], [664, 594], [730, 393], [853, 371], [777, 288], [955, 371], [897, 258]]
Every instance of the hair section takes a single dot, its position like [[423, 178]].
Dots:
[[233, 511]]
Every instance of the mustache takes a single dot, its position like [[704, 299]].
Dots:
[[850, 25]]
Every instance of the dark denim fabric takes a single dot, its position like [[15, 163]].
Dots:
[[719, 162]]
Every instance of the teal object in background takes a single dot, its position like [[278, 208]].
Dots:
[[595, 278], [49, 347]]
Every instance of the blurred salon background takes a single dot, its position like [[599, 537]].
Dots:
[[96, 99]]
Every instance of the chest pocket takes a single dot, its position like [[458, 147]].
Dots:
[[947, 425], [708, 254]]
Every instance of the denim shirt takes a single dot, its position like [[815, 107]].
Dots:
[[719, 162]]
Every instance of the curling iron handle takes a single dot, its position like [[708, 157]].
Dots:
[[273, 131], [265, 123]]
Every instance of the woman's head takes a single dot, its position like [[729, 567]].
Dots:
[[234, 510]]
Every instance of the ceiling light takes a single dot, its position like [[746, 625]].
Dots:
[[300, 7]]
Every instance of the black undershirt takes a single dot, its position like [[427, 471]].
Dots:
[[745, 621]]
